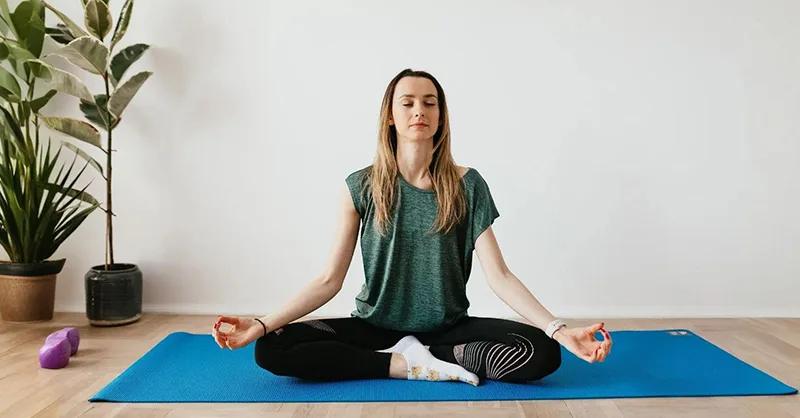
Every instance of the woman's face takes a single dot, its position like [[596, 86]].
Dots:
[[415, 109]]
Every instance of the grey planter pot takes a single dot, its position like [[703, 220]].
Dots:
[[113, 296]]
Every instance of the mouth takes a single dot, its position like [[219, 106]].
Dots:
[[419, 125]]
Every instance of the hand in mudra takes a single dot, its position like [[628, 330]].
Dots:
[[582, 342], [243, 331]]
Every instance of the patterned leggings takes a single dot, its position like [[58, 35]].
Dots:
[[345, 349]]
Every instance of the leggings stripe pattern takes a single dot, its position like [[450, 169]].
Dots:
[[315, 323], [498, 359]]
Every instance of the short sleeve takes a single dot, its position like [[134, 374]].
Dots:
[[483, 210], [355, 183]]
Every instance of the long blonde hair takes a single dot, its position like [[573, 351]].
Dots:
[[382, 175]]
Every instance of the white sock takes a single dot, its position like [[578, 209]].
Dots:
[[422, 365], [401, 345]]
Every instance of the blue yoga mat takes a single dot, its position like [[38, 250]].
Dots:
[[664, 363]]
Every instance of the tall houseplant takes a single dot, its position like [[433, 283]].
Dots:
[[39, 206], [113, 289]]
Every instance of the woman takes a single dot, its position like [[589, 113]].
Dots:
[[419, 217]]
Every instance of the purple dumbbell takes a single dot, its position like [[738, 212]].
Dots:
[[55, 352], [59, 347], [74, 339]]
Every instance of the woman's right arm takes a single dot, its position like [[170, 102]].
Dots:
[[325, 286]]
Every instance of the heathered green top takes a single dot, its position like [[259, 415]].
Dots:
[[416, 279]]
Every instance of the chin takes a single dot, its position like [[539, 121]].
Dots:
[[419, 136]]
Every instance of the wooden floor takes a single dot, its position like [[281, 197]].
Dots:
[[26, 390]]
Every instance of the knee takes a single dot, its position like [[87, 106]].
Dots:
[[269, 355], [545, 361], [551, 360]]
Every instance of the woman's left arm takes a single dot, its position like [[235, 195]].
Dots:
[[513, 293]]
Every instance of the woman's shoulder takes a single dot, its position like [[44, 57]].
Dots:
[[470, 175], [360, 173], [473, 181], [358, 180]]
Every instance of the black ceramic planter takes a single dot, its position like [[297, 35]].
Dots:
[[113, 296]]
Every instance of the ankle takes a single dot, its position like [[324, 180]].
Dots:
[[398, 368]]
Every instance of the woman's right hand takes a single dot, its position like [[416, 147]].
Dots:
[[243, 332]]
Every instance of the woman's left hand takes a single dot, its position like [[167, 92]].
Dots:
[[582, 343]]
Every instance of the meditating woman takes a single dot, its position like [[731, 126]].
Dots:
[[420, 217]]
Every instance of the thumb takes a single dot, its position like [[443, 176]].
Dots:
[[596, 327]]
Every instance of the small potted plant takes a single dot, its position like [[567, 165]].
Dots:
[[113, 289], [39, 206]]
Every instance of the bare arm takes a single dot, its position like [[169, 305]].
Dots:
[[506, 285], [324, 287], [579, 341]]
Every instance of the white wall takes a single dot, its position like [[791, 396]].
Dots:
[[644, 156]]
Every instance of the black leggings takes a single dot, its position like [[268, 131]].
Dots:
[[345, 349]]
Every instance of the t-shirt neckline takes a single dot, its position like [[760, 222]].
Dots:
[[415, 188]]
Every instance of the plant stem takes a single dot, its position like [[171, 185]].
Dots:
[[109, 225]]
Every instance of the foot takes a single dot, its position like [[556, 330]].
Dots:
[[422, 365]]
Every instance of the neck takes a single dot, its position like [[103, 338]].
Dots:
[[413, 159]]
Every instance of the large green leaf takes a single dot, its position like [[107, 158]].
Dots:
[[86, 52], [18, 52], [34, 42], [125, 92], [97, 112], [97, 18], [124, 59], [122, 23], [5, 16], [21, 18], [38, 9], [38, 103], [76, 30], [74, 128], [9, 85], [60, 80]]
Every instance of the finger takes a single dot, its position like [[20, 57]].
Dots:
[[606, 335], [233, 320], [596, 327], [219, 339], [607, 346], [602, 351], [233, 343], [215, 334], [591, 358], [601, 356]]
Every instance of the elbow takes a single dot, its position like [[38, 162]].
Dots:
[[499, 274], [331, 282]]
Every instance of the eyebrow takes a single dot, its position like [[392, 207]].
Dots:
[[412, 96]]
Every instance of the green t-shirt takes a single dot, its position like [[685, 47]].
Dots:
[[416, 279]]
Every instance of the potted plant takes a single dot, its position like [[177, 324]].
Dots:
[[113, 289], [39, 206]]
